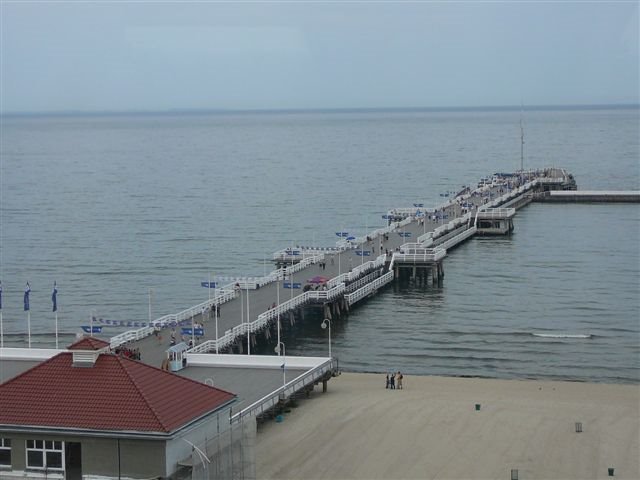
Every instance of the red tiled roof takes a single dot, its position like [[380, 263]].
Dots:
[[88, 343], [115, 394]]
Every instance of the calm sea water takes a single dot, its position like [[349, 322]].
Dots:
[[120, 208]]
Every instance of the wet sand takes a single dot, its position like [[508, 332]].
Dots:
[[431, 429]]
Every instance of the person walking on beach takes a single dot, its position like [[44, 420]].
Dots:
[[399, 380], [387, 385], [393, 381]]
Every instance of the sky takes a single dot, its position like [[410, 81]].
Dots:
[[156, 56]]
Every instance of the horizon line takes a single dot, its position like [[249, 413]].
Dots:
[[204, 111]]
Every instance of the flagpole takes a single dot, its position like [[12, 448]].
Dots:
[[54, 301], [90, 325], [1, 330], [27, 291]]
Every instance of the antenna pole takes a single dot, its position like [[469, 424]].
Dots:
[[521, 143]]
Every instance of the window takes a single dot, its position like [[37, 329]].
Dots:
[[45, 454], [5, 452]]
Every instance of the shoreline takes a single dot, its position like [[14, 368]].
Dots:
[[431, 429], [506, 379]]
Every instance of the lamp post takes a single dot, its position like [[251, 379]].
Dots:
[[278, 307], [326, 322], [215, 316], [284, 361], [248, 324]]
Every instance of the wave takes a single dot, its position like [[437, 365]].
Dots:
[[562, 335]]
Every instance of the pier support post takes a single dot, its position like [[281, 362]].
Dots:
[[324, 386]]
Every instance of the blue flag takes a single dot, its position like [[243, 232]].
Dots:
[[27, 290], [54, 296]]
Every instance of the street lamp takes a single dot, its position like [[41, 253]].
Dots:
[[324, 324], [284, 361]]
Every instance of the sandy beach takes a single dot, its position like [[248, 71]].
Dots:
[[432, 430]]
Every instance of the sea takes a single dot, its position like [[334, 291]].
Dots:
[[129, 213]]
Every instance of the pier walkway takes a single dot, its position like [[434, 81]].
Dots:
[[589, 196], [334, 278]]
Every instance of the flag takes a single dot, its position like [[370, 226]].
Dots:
[[27, 290], [54, 296]]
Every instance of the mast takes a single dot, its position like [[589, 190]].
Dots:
[[521, 142]]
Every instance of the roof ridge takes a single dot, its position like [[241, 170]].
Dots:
[[125, 368]]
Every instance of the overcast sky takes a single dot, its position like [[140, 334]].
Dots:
[[263, 55]]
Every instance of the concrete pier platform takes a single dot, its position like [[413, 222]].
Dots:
[[589, 196]]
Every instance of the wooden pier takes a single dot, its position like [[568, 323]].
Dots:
[[412, 246]]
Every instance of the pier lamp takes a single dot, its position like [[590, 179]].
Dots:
[[326, 322], [284, 361]]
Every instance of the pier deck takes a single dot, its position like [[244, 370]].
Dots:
[[353, 269], [590, 196]]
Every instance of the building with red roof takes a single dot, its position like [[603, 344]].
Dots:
[[87, 413]]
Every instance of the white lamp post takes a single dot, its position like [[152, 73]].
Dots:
[[284, 361], [278, 307], [215, 316], [326, 322]]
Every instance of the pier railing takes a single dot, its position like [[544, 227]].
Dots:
[[458, 238], [266, 317], [496, 213], [362, 281], [368, 288], [222, 296], [430, 255], [269, 401]]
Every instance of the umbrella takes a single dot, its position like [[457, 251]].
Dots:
[[318, 279]]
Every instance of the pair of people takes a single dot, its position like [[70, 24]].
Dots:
[[392, 379]]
